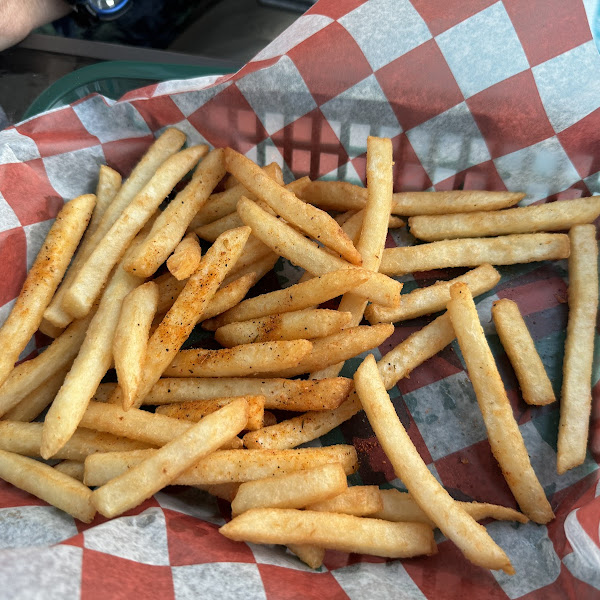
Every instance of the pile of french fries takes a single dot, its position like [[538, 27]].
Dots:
[[121, 283]]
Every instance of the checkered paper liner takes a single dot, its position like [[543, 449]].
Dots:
[[474, 94]]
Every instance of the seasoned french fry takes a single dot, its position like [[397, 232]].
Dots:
[[520, 348], [43, 279], [296, 297], [504, 435], [167, 463], [472, 252], [291, 244], [239, 361], [553, 216], [307, 324], [358, 500], [254, 250], [576, 394], [294, 490], [329, 530], [257, 270], [308, 218], [472, 538], [339, 195], [197, 409], [226, 466], [72, 468], [131, 336], [186, 257], [400, 506], [171, 224], [92, 275], [26, 438], [431, 299], [46, 483], [164, 147]]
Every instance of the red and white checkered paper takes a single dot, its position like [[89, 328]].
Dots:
[[475, 94]]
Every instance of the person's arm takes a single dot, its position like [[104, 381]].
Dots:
[[19, 17]]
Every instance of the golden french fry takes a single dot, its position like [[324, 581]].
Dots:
[[358, 500], [339, 195], [352, 226], [195, 410], [239, 361], [504, 435], [43, 279], [294, 490], [186, 257], [400, 506], [471, 252], [520, 348], [226, 466], [168, 290], [472, 538], [72, 468], [172, 223], [307, 324], [311, 555], [46, 483], [109, 182], [131, 336], [254, 250], [302, 252], [164, 147], [431, 299], [308, 218], [226, 491], [296, 297], [329, 530], [553, 216], [26, 438], [166, 464], [93, 274], [576, 393]]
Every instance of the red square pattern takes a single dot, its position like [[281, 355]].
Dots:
[[295, 141], [144, 92], [158, 112], [123, 155], [334, 559], [440, 16], [580, 146], [510, 115], [26, 188], [483, 176], [228, 120], [419, 85], [58, 132], [11, 496], [536, 297], [289, 584], [335, 8], [193, 541], [108, 576], [564, 586], [13, 268], [330, 50], [547, 28]]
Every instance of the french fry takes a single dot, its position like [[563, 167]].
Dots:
[[358, 500], [269, 419], [93, 274], [186, 257], [345, 533], [226, 466], [226, 491], [472, 538], [353, 225], [536, 387], [43, 279], [171, 224], [197, 409], [311, 555], [308, 218], [400, 506], [239, 361], [72, 468], [307, 324], [254, 250], [168, 290], [504, 435], [431, 299], [576, 393], [339, 195], [294, 490], [553, 216], [167, 463], [296, 297], [131, 336], [472, 252], [26, 438], [109, 183], [304, 253], [257, 270], [46, 483], [164, 147]]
